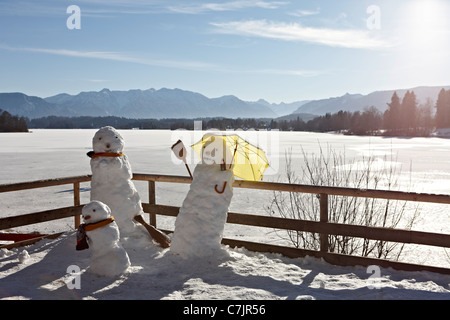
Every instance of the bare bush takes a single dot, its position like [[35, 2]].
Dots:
[[333, 169]]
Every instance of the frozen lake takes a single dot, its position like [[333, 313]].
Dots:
[[423, 163]]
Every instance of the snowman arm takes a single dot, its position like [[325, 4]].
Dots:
[[223, 188]]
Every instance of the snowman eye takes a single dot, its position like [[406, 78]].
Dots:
[[100, 138], [93, 210]]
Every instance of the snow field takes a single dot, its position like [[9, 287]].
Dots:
[[41, 271]]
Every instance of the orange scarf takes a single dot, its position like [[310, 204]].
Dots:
[[106, 154], [93, 226]]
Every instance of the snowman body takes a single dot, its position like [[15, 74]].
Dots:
[[200, 223], [111, 178], [108, 257]]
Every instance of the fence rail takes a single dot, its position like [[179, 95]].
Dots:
[[322, 227]]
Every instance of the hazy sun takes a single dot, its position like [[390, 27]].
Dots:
[[427, 21], [423, 41]]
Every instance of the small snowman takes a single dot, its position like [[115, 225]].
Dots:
[[200, 223], [111, 178], [101, 235]]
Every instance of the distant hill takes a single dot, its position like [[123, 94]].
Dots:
[[282, 109], [151, 103], [358, 102], [157, 104], [20, 104]]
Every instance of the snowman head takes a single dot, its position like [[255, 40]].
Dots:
[[215, 151], [107, 139], [95, 211]]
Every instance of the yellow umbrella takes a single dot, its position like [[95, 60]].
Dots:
[[249, 161]]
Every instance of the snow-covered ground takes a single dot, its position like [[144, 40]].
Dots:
[[157, 274], [48, 273]]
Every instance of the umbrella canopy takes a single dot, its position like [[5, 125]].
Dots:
[[248, 161]]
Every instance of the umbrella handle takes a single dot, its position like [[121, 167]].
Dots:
[[188, 169], [234, 156], [223, 189]]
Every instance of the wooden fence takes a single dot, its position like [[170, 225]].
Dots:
[[323, 227]]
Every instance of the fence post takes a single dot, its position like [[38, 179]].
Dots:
[[76, 202], [323, 218], [152, 200]]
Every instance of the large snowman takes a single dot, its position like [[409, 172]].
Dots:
[[111, 179], [200, 223], [108, 257]]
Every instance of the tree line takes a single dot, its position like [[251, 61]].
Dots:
[[87, 122], [358, 123], [405, 117], [366, 122], [10, 123]]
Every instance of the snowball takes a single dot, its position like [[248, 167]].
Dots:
[[23, 256]]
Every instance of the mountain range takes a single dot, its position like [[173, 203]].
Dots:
[[151, 103], [358, 102], [177, 103]]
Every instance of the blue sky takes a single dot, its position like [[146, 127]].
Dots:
[[275, 50]]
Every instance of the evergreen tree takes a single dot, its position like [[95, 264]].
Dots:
[[273, 124], [22, 124], [443, 109], [408, 117], [10, 123], [425, 121], [371, 117], [392, 114]]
